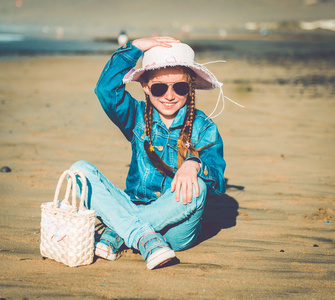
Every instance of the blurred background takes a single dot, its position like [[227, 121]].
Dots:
[[279, 148], [45, 26]]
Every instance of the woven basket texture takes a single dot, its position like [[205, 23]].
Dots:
[[67, 234]]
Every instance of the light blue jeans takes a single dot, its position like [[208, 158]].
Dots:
[[179, 223]]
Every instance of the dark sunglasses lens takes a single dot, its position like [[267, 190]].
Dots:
[[181, 88], [158, 89]]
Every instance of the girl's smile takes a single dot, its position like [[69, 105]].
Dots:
[[168, 104]]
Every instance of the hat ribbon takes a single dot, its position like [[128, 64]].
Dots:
[[221, 95]]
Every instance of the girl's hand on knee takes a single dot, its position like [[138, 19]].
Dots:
[[145, 44], [184, 180]]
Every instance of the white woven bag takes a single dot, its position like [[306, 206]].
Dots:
[[67, 233]]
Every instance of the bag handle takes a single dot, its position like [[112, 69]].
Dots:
[[83, 190], [72, 183], [68, 188]]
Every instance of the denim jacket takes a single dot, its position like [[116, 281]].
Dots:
[[144, 182]]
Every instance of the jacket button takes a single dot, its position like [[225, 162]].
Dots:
[[205, 172], [158, 194]]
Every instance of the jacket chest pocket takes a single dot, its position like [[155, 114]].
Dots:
[[138, 149]]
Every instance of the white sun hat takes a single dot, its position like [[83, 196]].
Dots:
[[178, 55]]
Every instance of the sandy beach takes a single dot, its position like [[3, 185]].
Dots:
[[271, 237], [280, 170]]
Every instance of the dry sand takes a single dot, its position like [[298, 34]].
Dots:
[[280, 182]]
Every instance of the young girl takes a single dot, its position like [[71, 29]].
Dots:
[[177, 152]]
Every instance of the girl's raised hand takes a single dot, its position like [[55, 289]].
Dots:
[[145, 44], [185, 179]]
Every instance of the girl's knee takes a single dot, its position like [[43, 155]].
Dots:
[[180, 240], [82, 166]]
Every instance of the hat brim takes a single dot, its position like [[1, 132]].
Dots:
[[205, 80]]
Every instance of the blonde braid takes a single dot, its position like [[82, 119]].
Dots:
[[185, 143], [192, 111], [148, 118], [161, 166]]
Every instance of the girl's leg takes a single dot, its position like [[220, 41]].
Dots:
[[181, 223], [103, 197], [117, 211]]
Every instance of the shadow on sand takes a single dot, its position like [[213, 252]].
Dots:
[[219, 213]]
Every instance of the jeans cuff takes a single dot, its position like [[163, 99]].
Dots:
[[140, 232]]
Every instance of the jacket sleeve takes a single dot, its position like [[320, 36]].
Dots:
[[212, 163], [117, 103]]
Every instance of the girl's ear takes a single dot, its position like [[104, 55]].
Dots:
[[145, 88]]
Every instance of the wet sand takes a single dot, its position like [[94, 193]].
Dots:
[[271, 237]]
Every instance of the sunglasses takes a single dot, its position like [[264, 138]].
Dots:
[[159, 89]]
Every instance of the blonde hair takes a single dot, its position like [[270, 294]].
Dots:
[[185, 147]]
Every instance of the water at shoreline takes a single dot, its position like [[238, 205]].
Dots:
[[17, 45], [274, 51]]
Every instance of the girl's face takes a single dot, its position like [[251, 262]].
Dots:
[[168, 104]]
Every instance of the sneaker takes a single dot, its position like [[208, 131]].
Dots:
[[104, 251], [109, 245], [155, 250]]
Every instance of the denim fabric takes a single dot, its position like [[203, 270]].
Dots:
[[144, 182], [179, 223], [111, 239], [147, 204]]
